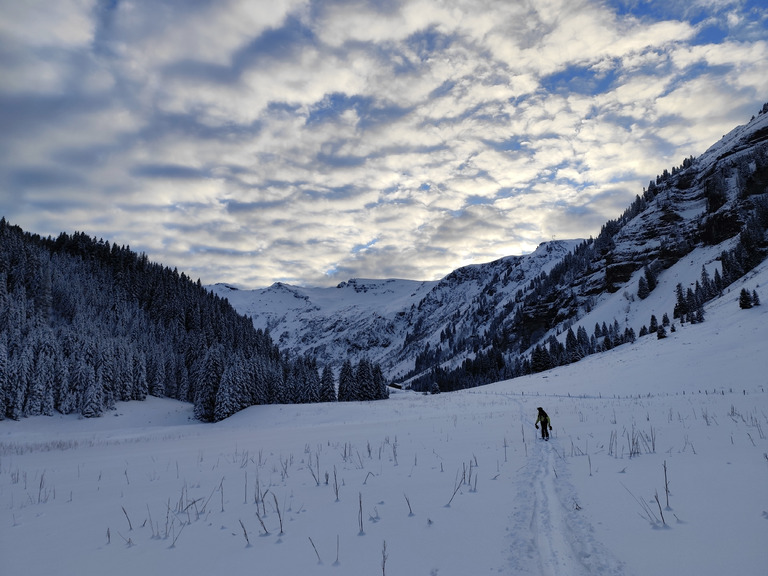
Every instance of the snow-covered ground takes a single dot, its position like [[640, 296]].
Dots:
[[452, 484]]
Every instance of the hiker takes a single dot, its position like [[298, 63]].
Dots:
[[546, 425]]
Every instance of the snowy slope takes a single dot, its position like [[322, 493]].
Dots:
[[632, 312], [449, 485], [330, 322], [375, 318], [738, 139]]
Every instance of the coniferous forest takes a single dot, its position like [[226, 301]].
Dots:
[[85, 324]]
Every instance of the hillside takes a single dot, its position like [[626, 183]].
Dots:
[[85, 324]]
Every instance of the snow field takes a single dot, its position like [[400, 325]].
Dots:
[[715, 475], [569, 506], [89, 486]]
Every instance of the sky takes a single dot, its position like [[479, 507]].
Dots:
[[310, 142]]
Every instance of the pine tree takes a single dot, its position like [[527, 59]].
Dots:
[[585, 347], [43, 290], [171, 377], [745, 299], [257, 382], [755, 298], [380, 382], [19, 377], [3, 373], [364, 381], [654, 324], [681, 308], [33, 396], [139, 386], [209, 380], [45, 379], [327, 385], [540, 360], [650, 278], [156, 376], [347, 387], [85, 381], [691, 305], [106, 373], [572, 347], [312, 380], [294, 384], [718, 283], [228, 393], [274, 386], [642, 288], [67, 401], [182, 392]]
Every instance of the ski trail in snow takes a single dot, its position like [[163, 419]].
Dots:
[[549, 537]]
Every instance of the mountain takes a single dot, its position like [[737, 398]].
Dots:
[[513, 316], [388, 321]]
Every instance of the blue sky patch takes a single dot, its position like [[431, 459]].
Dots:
[[580, 80], [357, 248]]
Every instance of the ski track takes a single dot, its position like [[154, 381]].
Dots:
[[550, 537]]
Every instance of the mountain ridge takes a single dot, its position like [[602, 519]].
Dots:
[[381, 315]]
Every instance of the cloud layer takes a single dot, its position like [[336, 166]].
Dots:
[[312, 141]]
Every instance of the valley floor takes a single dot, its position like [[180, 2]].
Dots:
[[455, 484]]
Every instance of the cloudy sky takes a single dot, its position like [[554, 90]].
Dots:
[[311, 141]]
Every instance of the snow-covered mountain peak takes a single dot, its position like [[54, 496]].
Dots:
[[376, 318]]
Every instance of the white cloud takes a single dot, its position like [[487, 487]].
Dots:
[[40, 24], [253, 144]]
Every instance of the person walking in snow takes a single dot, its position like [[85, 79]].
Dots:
[[546, 425]]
